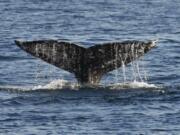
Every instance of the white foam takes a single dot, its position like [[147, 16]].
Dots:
[[133, 85], [19, 88], [58, 84], [64, 84]]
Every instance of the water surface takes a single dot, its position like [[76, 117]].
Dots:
[[89, 110]]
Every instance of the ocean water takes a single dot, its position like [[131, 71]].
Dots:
[[37, 98]]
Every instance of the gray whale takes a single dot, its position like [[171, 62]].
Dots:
[[88, 64]]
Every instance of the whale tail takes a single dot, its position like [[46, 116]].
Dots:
[[88, 64]]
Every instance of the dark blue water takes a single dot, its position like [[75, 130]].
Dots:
[[89, 110]]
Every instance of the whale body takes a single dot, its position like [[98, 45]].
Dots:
[[88, 64]]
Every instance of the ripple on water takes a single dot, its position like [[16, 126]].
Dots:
[[60, 107]]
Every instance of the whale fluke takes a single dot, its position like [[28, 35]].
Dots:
[[88, 64]]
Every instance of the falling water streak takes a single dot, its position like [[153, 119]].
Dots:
[[134, 77], [133, 72], [138, 71], [144, 71], [145, 76], [137, 66], [37, 65], [123, 61], [116, 61], [38, 69], [124, 71], [51, 69]]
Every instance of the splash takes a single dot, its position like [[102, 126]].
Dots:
[[124, 71], [58, 84], [133, 85], [135, 75], [53, 85], [61, 84]]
